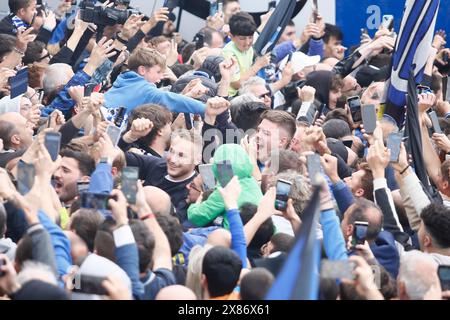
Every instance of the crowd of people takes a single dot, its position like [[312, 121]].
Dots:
[[180, 105]]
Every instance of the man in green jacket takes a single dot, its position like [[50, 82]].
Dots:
[[205, 212]]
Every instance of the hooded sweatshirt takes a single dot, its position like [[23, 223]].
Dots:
[[131, 90], [205, 212]]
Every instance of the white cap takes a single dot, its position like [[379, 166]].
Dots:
[[10, 105], [300, 61]]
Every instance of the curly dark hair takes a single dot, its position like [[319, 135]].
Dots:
[[436, 218]]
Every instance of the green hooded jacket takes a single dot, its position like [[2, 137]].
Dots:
[[205, 212]]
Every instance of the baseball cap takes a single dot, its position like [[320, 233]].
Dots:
[[300, 61]]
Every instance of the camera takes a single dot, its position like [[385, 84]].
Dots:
[[103, 16]]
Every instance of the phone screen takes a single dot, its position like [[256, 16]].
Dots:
[[130, 177], [354, 104], [25, 177], [369, 117], [313, 163], [88, 89], [283, 190], [209, 182], [53, 144], [393, 144], [444, 277], [188, 121], [114, 134], [435, 122], [225, 172], [97, 201], [359, 232]]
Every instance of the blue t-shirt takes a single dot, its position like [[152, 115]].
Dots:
[[155, 281]]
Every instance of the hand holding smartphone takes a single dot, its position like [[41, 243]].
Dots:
[[25, 177], [225, 172], [444, 277], [359, 235], [282, 196], [314, 168], [114, 134], [435, 121], [354, 103], [207, 174]]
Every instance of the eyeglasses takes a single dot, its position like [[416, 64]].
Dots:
[[266, 94], [193, 186], [48, 55]]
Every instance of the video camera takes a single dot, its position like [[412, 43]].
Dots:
[[102, 16]]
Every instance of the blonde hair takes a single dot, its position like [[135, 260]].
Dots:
[[194, 269], [145, 57]]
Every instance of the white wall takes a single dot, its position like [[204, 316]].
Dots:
[[190, 24]]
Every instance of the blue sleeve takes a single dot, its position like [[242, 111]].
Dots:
[[343, 195], [101, 179], [333, 239], [59, 32], [176, 102], [284, 49], [238, 242], [61, 244], [127, 258], [316, 48], [63, 101]]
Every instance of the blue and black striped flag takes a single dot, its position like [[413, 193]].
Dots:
[[299, 276], [411, 53]]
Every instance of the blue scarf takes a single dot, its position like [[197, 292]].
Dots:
[[17, 22]]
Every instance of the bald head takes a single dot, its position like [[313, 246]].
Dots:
[[176, 292], [14, 131], [220, 237], [158, 200]]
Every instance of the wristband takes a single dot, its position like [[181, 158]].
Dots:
[[121, 40], [404, 170], [19, 51], [147, 216]]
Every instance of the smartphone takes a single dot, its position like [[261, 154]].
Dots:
[[82, 186], [369, 117], [283, 190], [435, 121], [188, 121], [114, 134], [220, 6], [120, 116], [445, 88], [393, 143], [225, 172], [359, 232], [90, 285], [170, 4], [339, 269], [207, 174], [313, 164], [2, 262], [97, 201], [19, 83], [130, 176], [315, 10], [25, 177], [213, 7], [444, 277], [388, 21], [199, 41], [53, 144], [89, 88], [354, 104], [272, 5]]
